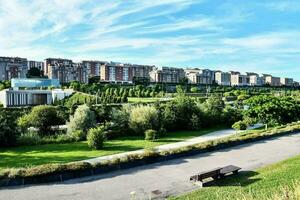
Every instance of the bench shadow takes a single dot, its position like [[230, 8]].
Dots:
[[242, 179]]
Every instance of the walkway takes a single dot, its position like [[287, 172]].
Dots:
[[196, 140], [160, 179]]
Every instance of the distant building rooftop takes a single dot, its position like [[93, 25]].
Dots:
[[34, 83]]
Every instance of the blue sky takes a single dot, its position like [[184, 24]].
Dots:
[[257, 35]]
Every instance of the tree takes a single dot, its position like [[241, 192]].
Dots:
[[8, 128], [142, 118], [34, 72], [83, 119], [273, 110], [42, 117]]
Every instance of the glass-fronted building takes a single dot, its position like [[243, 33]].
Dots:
[[34, 83]]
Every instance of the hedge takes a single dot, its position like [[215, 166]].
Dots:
[[61, 172]]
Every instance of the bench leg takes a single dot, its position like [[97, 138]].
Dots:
[[235, 172], [199, 183]]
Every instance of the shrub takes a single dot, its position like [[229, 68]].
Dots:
[[8, 128], [194, 123], [119, 125], [29, 138], [43, 118], [151, 135], [78, 135], [96, 137], [240, 125], [142, 118], [83, 119]]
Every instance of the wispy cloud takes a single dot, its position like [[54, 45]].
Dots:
[[218, 34]]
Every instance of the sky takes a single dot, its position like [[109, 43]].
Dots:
[[249, 36]]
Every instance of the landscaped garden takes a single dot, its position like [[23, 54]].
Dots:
[[26, 156], [275, 182], [92, 128]]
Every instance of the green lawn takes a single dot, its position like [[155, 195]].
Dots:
[[275, 180], [26, 156], [143, 100]]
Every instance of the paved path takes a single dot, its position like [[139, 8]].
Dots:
[[170, 177], [196, 140]]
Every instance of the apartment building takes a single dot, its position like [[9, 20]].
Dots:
[[167, 75], [271, 80], [65, 70], [254, 79], [12, 67], [141, 71], [200, 76], [115, 72], [296, 84], [93, 67], [223, 78], [80, 73], [118, 72], [287, 81], [36, 64]]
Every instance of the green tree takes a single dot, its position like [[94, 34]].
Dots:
[[42, 117], [142, 118], [83, 119]]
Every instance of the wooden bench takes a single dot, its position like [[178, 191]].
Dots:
[[229, 169], [216, 173]]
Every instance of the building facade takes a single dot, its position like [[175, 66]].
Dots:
[[223, 78], [18, 96], [113, 72], [65, 70], [287, 82], [93, 67], [238, 79], [12, 67], [36, 64], [272, 81], [255, 79], [200, 76], [167, 75]]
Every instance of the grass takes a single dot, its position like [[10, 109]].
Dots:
[[144, 100], [277, 181], [27, 156]]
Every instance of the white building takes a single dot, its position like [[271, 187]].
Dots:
[[27, 92], [223, 78]]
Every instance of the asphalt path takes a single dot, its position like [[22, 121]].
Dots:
[[161, 179]]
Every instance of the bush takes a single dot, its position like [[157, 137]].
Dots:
[[43, 118], [29, 138], [119, 125], [8, 128], [194, 123], [96, 137], [142, 118], [78, 135], [240, 125], [83, 120], [151, 135]]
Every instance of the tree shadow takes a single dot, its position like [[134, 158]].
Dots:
[[243, 179]]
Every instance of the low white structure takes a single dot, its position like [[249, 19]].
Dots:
[[28, 92], [17, 98]]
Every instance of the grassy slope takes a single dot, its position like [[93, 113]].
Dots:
[[62, 153], [264, 183]]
